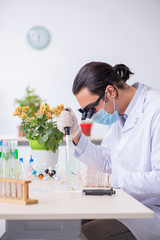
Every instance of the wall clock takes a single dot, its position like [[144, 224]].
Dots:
[[38, 37]]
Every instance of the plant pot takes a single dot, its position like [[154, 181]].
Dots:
[[43, 159], [36, 146], [86, 128]]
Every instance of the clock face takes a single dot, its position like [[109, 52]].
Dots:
[[38, 37]]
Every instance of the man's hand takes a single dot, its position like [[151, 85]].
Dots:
[[93, 178], [68, 119]]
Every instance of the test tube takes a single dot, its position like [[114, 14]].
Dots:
[[1, 167], [30, 169], [21, 176], [18, 185], [6, 170], [22, 170], [13, 167], [1, 149], [19, 191], [73, 166]]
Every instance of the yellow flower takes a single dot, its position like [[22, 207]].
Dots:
[[60, 107], [57, 110], [28, 120], [47, 107], [48, 114], [42, 109], [23, 116], [53, 109], [19, 109], [16, 113], [25, 109]]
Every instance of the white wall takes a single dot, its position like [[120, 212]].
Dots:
[[125, 31]]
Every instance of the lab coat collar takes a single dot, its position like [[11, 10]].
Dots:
[[136, 112]]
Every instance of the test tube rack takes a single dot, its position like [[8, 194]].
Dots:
[[24, 187]]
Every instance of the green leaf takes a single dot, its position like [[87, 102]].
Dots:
[[50, 143], [22, 128], [40, 116], [48, 131], [27, 134], [46, 146], [45, 138], [40, 140]]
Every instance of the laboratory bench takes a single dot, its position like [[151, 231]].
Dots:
[[59, 212]]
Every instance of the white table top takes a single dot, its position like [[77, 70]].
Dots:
[[57, 204]]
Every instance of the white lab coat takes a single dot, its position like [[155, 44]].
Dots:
[[131, 153]]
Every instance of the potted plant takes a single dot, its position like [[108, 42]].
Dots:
[[31, 100], [42, 132], [86, 127]]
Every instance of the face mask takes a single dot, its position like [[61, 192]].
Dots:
[[104, 117]]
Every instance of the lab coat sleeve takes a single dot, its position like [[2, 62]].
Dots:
[[143, 183], [95, 157]]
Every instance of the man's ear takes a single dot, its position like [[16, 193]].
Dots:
[[111, 91]]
